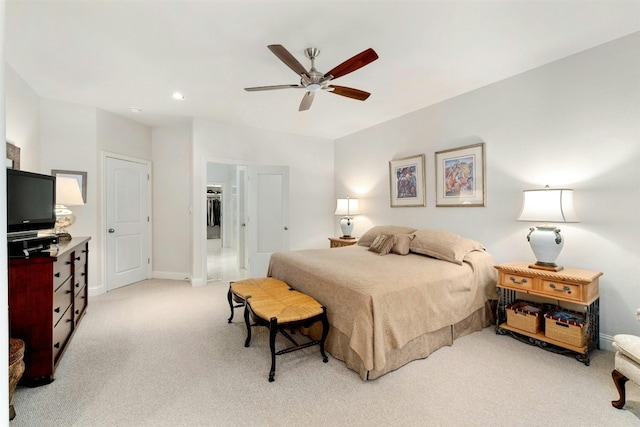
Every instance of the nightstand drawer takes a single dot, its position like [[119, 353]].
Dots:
[[564, 290], [516, 281]]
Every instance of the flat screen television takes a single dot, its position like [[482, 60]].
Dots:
[[31, 202]]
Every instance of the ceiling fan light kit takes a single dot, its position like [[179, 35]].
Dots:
[[313, 80]]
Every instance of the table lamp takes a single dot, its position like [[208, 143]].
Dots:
[[547, 205], [347, 207], [67, 194]]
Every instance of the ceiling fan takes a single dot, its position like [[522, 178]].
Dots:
[[313, 80]]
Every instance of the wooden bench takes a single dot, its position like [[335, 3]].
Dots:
[[239, 290], [272, 303]]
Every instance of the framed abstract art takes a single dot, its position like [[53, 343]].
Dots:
[[460, 176], [407, 182]]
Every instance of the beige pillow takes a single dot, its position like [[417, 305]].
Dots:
[[401, 246], [371, 234], [382, 244], [443, 245]]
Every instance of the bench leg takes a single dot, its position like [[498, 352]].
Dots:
[[248, 324], [325, 332], [273, 331], [230, 299]]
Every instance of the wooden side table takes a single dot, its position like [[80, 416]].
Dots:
[[570, 285], [338, 242]]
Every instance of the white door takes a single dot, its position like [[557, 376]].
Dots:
[[127, 222], [243, 202], [269, 215]]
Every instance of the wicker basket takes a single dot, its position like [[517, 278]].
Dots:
[[566, 326], [525, 315]]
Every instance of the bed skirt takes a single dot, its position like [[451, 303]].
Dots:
[[337, 344]]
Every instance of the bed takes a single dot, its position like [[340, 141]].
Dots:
[[393, 301]]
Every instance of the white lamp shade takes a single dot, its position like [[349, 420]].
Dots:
[[347, 207], [68, 192], [548, 205]]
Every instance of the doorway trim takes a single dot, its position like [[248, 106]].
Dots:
[[200, 237], [102, 235]]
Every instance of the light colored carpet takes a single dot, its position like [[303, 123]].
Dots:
[[161, 353]]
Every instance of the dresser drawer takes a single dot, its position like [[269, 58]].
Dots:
[[516, 281], [561, 289], [80, 305], [61, 333], [61, 272], [61, 300]]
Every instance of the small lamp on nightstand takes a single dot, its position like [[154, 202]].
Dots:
[[547, 205], [347, 207]]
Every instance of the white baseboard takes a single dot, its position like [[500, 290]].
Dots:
[[198, 282], [170, 275], [606, 342], [95, 291]]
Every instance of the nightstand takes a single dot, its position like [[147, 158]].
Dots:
[[338, 242], [570, 285]]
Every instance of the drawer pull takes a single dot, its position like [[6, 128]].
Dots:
[[77, 258], [57, 309], [564, 289], [57, 345], [521, 282], [69, 262], [57, 274]]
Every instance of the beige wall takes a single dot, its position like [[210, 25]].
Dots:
[[573, 123]]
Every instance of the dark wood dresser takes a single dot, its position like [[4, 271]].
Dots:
[[48, 295]]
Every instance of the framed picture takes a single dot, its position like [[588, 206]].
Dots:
[[406, 179], [13, 156], [81, 177], [460, 177]]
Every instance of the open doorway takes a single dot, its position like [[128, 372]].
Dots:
[[225, 213]]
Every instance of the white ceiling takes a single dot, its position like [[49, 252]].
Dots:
[[117, 54]]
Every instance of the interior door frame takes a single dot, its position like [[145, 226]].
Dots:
[[103, 211], [200, 238]]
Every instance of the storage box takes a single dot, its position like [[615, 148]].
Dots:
[[566, 326], [525, 315]]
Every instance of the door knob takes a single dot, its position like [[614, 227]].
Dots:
[[286, 228], [111, 230]]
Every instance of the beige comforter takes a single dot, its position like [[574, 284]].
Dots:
[[383, 302]]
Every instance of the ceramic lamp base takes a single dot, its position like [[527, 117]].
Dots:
[[346, 224], [546, 243]]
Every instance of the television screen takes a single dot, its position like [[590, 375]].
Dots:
[[31, 199]]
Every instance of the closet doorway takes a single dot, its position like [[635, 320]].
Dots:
[[225, 201]]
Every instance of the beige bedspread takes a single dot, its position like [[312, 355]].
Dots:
[[383, 302]]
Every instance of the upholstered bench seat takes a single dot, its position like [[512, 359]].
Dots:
[[272, 303]]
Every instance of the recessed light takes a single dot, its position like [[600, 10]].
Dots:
[[136, 110], [178, 96]]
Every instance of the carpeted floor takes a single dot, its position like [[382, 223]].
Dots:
[[161, 353]]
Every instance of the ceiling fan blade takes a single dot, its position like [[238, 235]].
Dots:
[[350, 92], [283, 54], [259, 88], [307, 100], [354, 63]]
